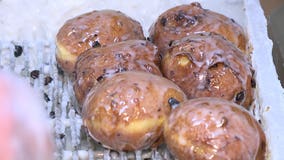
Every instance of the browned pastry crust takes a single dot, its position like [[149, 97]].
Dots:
[[207, 65], [127, 111], [179, 21], [93, 29], [97, 64], [214, 129]]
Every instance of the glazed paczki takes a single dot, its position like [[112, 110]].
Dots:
[[207, 65], [179, 21], [214, 129], [93, 29], [126, 112], [96, 64]]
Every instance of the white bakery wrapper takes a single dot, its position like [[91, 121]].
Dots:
[[34, 24], [270, 94]]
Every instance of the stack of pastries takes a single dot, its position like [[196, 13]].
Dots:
[[189, 85]]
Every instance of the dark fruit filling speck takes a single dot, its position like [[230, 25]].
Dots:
[[34, 74], [163, 21], [47, 80], [240, 96], [18, 50], [52, 114], [96, 44], [173, 102], [46, 98]]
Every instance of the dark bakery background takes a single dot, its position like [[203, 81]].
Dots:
[[274, 12]]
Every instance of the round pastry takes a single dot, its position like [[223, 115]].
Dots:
[[207, 65], [179, 21], [126, 112], [98, 63], [24, 128], [213, 129], [93, 29]]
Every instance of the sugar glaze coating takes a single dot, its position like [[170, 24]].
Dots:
[[214, 129], [207, 65], [96, 64], [93, 29], [182, 20], [127, 111]]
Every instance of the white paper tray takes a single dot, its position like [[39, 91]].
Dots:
[[34, 25]]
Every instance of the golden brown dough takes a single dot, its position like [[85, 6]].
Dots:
[[214, 129], [93, 29], [127, 111], [207, 65], [98, 63], [179, 21]]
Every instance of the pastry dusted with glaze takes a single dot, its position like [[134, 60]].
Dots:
[[214, 129], [97, 64], [126, 112], [179, 21], [207, 65], [90, 30]]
